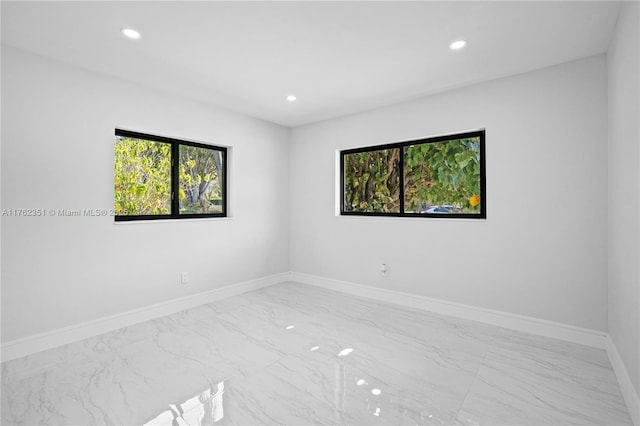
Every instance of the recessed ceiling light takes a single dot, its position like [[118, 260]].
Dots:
[[131, 33], [291, 98], [457, 45]]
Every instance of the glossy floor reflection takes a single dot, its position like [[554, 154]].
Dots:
[[295, 354]]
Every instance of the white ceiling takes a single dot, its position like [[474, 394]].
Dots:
[[336, 57]]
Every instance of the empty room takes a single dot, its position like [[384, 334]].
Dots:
[[329, 212]]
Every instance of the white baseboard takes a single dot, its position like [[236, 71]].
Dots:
[[628, 391], [62, 336], [532, 325]]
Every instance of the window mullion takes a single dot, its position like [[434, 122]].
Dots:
[[175, 185], [401, 179]]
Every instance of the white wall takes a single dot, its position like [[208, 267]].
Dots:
[[624, 190], [57, 152], [541, 252]]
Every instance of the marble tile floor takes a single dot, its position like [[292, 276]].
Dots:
[[295, 354]]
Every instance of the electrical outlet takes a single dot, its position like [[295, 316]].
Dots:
[[184, 278], [384, 270]]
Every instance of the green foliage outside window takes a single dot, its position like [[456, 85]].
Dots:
[[442, 174], [142, 180], [372, 181], [438, 176], [146, 176], [200, 182]]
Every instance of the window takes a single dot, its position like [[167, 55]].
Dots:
[[163, 178], [436, 177]]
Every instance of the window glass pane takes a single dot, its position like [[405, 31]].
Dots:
[[443, 177], [142, 177], [200, 177], [372, 181]]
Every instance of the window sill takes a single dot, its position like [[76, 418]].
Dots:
[[161, 221], [411, 218]]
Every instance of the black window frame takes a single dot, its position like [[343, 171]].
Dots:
[[482, 214], [175, 184]]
